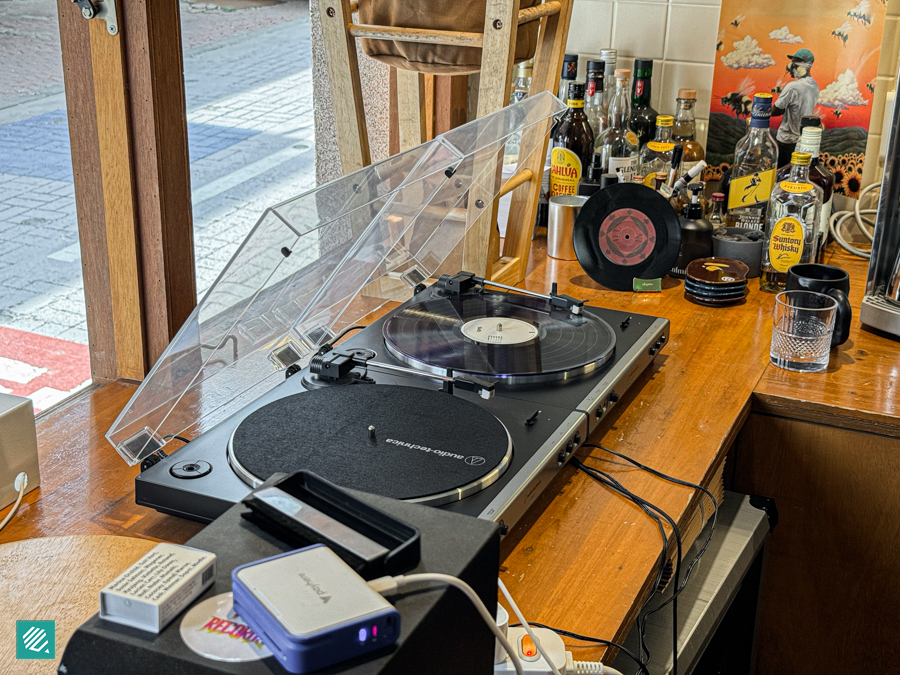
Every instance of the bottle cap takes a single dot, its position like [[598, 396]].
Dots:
[[524, 68], [608, 179], [810, 121], [643, 64], [622, 73], [801, 158], [761, 110], [664, 120], [596, 66], [609, 55], [718, 197], [576, 91], [569, 67], [687, 93]]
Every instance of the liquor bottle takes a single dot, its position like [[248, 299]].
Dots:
[[569, 72], [643, 117], [656, 155], [573, 145], [521, 84], [696, 234], [593, 97], [753, 171], [685, 128], [608, 56], [792, 224], [618, 145], [717, 215], [810, 140]]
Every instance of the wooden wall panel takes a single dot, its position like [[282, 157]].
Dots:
[[830, 597]]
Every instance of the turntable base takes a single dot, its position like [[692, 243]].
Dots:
[[424, 445]]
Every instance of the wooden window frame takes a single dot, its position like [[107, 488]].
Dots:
[[128, 129]]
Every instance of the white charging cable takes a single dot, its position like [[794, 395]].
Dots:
[[838, 218], [392, 585], [20, 483]]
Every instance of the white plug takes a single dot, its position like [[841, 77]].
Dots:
[[21, 482]]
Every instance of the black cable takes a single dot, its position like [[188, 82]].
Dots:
[[176, 437], [677, 481], [612, 483], [337, 337], [586, 638]]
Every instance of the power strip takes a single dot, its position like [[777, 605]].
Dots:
[[534, 664]]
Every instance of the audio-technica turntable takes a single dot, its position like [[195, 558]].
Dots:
[[465, 394]]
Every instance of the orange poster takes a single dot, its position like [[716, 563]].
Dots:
[[822, 57]]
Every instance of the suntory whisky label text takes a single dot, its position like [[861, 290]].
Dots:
[[785, 243], [565, 172], [754, 188]]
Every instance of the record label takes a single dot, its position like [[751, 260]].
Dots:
[[499, 331], [213, 630], [627, 237]]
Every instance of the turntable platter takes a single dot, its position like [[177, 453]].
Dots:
[[498, 335], [428, 446]]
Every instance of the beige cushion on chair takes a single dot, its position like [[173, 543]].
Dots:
[[466, 16]]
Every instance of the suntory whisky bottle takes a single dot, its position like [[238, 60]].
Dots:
[[792, 224]]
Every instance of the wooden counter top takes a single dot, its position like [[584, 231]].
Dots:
[[860, 388], [582, 558]]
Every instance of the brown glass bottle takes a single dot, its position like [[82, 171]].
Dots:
[[573, 145], [685, 128]]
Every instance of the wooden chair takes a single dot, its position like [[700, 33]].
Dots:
[[482, 253]]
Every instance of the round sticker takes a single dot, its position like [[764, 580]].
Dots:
[[632, 137], [213, 630], [627, 237], [656, 146]]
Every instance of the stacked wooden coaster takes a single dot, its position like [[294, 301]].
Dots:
[[716, 281]]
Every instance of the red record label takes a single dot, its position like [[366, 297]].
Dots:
[[627, 237]]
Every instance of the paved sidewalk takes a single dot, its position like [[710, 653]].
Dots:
[[250, 114]]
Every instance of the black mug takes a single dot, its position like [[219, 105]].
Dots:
[[828, 280]]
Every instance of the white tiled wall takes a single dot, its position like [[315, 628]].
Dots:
[[680, 36]]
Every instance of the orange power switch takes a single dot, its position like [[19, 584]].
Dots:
[[529, 650]]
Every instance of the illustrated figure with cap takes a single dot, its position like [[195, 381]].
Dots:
[[797, 99]]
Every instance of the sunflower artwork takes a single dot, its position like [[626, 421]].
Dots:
[[830, 47]]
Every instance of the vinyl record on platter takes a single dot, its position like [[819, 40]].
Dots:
[[626, 232], [511, 337]]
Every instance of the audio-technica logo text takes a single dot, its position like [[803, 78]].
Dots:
[[324, 596], [472, 460]]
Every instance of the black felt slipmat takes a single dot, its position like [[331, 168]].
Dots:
[[326, 431], [626, 232]]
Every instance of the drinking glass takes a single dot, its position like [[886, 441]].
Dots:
[[801, 334]]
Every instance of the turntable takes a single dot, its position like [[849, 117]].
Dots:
[[465, 394]]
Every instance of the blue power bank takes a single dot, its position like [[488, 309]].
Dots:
[[311, 609]]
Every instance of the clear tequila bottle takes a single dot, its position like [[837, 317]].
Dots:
[[792, 224], [593, 97], [618, 144], [656, 155]]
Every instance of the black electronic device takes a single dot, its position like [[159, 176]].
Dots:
[[303, 509], [626, 232], [470, 396], [466, 548]]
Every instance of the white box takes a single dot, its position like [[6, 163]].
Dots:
[[18, 446], [153, 591]]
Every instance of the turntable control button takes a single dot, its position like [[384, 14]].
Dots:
[[613, 397], [652, 351]]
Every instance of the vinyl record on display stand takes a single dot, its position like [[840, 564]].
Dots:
[[626, 232]]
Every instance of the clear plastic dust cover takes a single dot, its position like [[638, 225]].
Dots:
[[318, 263]]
